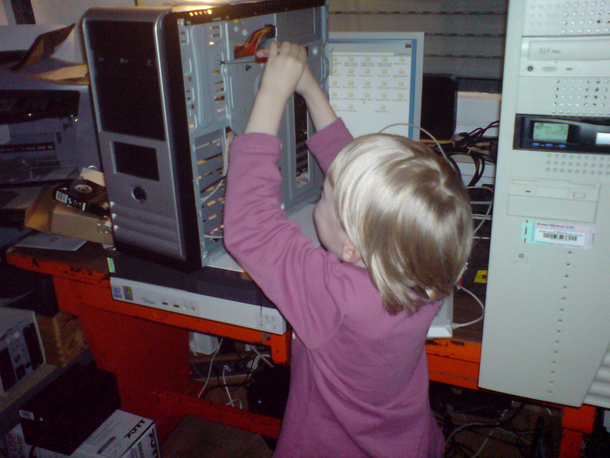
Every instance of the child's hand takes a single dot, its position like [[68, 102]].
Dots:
[[307, 84], [284, 68], [286, 71]]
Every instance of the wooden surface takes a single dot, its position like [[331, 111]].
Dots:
[[62, 337]]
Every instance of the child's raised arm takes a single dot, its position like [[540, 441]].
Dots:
[[278, 84], [318, 106], [283, 70]]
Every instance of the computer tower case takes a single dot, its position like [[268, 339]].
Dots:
[[170, 87]]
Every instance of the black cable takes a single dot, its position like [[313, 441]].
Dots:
[[479, 169], [479, 161], [235, 386], [472, 137], [536, 438], [464, 450], [474, 430], [517, 441]]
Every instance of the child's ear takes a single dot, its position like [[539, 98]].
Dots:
[[350, 252]]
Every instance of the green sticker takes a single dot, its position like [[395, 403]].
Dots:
[[564, 235]]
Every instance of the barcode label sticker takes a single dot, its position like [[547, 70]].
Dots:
[[557, 234], [62, 197]]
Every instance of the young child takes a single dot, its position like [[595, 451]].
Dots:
[[395, 221]]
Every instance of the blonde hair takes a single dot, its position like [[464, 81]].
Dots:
[[408, 212]]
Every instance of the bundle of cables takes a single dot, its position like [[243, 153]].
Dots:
[[472, 144], [255, 41], [470, 139]]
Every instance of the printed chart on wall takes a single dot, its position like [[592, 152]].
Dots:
[[376, 83]]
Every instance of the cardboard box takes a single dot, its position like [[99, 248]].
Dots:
[[123, 435], [63, 338], [48, 215], [85, 195]]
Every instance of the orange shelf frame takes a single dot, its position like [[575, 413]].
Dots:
[[148, 351]]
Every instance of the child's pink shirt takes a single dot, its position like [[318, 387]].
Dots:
[[359, 376]]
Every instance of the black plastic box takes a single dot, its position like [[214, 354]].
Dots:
[[64, 414], [22, 289]]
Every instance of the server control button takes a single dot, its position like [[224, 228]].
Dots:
[[139, 193]]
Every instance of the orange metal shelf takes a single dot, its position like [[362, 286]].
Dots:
[[147, 349]]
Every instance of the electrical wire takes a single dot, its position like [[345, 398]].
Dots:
[[212, 192], [215, 234], [462, 325], [493, 430], [470, 145], [479, 160], [474, 136], [438, 145], [263, 357], [485, 217], [231, 400], [488, 437], [229, 137], [255, 41], [247, 362], [235, 386], [207, 380]]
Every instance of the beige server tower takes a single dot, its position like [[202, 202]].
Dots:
[[547, 325]]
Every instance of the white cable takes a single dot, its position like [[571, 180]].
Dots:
[[491, 426], [262, 356], [489, 436], [205, 199], [423, 130], [212, 192], [224, 381], [225, 152], [486, 215], [207, 380], [466, 425], [461, 325]]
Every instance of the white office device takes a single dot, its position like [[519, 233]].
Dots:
[[220, 292], [546, 331], [250, 316], [21, 350], [375, 81]]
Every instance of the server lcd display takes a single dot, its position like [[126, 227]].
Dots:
[[561, 133], [550, 131]]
